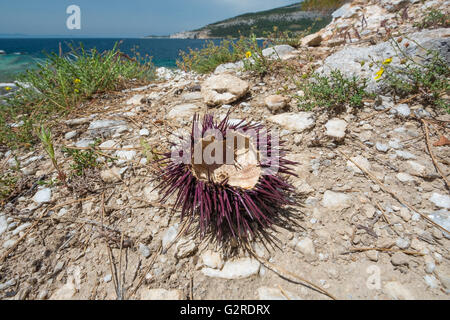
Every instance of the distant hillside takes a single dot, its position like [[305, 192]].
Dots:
[[295, 17]]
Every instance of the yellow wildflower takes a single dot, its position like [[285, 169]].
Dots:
[[76, 81], [387, 61], [77, 91], [379, 73], [8, 88], [248, 54]]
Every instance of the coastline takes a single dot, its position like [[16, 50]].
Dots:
[[164, 51]]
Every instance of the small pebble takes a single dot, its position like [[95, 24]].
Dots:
[[107, 278], [399, 259], [144, 250], [43, 294], [402, 243], [431, 281], [382, 147]]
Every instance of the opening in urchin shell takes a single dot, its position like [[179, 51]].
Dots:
[[235, 163]]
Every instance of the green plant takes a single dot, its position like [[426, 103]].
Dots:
[[426, 78], [61, 83], [434, 18], [7, 185], [277, 37], [255, 60], [47, 183], [45, 136], [206, 60], [82, 159], [150, 153], [333, 91]]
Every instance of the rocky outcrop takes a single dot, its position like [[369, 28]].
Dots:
[[312, 40], [355, 60]]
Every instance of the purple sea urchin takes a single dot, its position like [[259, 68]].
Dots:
[[228, 179]]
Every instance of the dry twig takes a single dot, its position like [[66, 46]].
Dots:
[[415, 253]]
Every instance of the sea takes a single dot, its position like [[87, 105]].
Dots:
[[22, 54]]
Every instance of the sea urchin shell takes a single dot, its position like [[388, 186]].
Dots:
[[239, 190]]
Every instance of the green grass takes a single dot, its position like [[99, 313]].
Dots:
[[333, 92], [207, 59], [45, 135], [61, 84]]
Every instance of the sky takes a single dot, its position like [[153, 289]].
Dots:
[[122, 18]]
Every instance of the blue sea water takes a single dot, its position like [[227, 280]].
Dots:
[[22, 54]]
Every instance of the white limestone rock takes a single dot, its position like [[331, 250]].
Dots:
[[43, 196], [161, 294], [336, 128], [223, 89], [336, 200], [235, 269], [297, 122]]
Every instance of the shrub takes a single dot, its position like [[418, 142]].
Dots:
[[255, 61], [206, 60], [333, 91], [60, 84]]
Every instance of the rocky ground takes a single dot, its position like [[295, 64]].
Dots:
[[372, 213]]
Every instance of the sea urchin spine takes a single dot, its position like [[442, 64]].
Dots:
[[237, 187]]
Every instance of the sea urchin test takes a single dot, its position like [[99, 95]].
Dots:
[[227, 178]]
